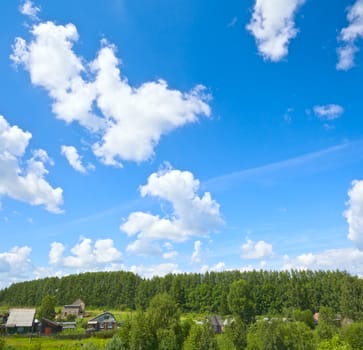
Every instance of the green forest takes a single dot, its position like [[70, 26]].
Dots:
[[265, 309]]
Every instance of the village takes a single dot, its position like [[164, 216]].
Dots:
[[23, 321]]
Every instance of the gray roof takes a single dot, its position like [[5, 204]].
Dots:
[[105, 316], [20, 318]]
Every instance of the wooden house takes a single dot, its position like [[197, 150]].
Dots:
[[48, 327], [104, 321], [76, 308], [20, 321]]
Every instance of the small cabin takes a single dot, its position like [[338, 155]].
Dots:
[[104, 321], [49, 327], [20, 321]]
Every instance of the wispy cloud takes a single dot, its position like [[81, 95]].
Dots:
[[328, 112], [346, 152], [349, 35]]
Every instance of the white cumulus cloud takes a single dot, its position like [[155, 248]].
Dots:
[[85, 254], [272, 25], [349, 35], [354, 213], [348, 259], [155, 270], [328, 112], [74, 159], [27, 8], [27, 183], [131, 120], [15, 265], [191, 214], [258, 250]]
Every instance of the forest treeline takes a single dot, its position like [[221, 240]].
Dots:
[[272, 291]]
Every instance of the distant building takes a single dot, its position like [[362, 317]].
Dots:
[[20, 321], [48, 327], [104, 321], [217, 324], [68, 325], [76, 308]]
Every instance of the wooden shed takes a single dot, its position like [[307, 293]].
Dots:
[[20, 321], [49, 327]]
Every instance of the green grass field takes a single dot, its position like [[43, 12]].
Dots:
[[46, 343]]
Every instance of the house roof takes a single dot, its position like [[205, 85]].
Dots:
[[105, 316], [76, 304], [20, 318], [50, 322]]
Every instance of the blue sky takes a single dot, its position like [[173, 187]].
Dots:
[[161, 137]]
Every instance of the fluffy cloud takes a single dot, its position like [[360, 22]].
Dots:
[[197, 253], [155, 270], [259, 250], [218, 267], [349, 35], [144, 247], [132, 120], [27, 8], [272, 25], [328, 112], [354, 213], [25, 184], [15, 265], [343, 259], [73, 158], [191, 215], [85, 254]]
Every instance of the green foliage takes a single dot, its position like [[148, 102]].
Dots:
[[47, 309], [236, 332], [201, 338], [163, 312], [277, 334], [240, 300], [71, 318], [141, 336], [225, 343], [333, 344], [115, 343], [268, 292], [90, 346], [353, 335], [351, 300], [327, 326], [124, 332], [167, 339], [2, 344], [305, 316]]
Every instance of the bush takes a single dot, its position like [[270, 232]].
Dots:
[[353, 335], [115, 343], [104, 334]]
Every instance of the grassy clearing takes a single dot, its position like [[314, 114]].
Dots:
[[45, 343]]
